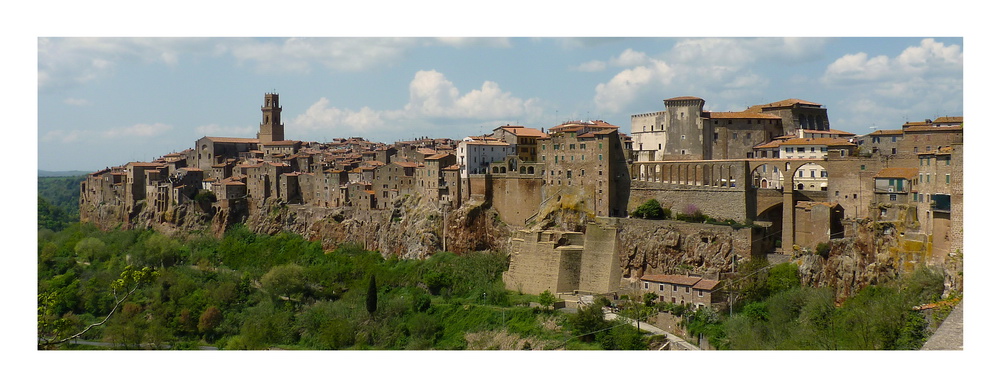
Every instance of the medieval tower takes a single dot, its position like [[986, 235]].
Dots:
[[271, 128]]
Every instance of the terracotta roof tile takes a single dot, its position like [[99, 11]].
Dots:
[[823, 141], [672, 279], [742, 115], [705, 284]]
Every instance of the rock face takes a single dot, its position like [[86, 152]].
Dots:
[[411, 229], [669, 247]]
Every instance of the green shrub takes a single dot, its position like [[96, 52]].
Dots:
[[650, 210]]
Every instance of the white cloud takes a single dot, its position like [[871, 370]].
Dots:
[[322, 116], [66, 62], [921, 81], [61, 136], [591, 66], [432, 97], [614, 95], [629, 58], [931, 57], [137, 130], [719, 66]]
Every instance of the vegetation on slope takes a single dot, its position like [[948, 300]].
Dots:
[[250, 291]]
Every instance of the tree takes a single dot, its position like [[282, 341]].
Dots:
[[91, 248], [546, 299], [284, 280], [127, 284], [371, 302], [209, 320], [587, 322], [650, 210]]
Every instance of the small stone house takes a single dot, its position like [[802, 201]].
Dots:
[[681, 289]]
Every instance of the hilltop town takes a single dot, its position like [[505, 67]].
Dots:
[[773, 180]]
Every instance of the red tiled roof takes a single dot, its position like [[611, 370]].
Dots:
[[742, 115], [772, 144], [436, 156], [672, 279], [949, 119], [886, 132], [827, 141], [705, 284], [785, 103], [933, 128], [406, 164], [145, 164]]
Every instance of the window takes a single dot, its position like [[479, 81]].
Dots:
[[892, 197], [675, 288], [893, 151], [645, 285], [661, 288], [919, 198], [862, 167], [583, 146], [947, 179]]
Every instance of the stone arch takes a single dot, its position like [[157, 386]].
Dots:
[[531, 170], [523, 170]]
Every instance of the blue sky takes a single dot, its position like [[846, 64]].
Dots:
[[108, 101]]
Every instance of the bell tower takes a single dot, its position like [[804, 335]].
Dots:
[[271, 127]]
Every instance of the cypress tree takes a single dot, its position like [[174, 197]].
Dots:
[[372, 302]]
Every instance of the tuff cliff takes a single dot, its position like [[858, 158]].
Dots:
[[411, 229], [658, 247]]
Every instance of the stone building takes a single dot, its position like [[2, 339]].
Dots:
[[524, 139], [585, 163], [685, 131], [475, 153], [215, 150], [682, 289]]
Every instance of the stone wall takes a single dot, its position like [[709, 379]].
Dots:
[[516, 198], [600, 272], [718, 203]]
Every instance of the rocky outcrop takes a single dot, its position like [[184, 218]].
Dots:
[[670, 247]]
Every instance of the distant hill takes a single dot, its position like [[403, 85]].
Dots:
[[43, 173], [59, 200]]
